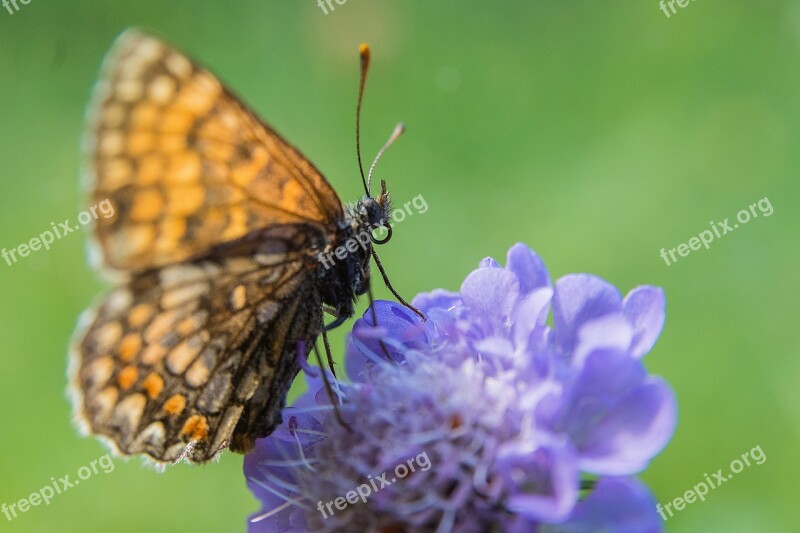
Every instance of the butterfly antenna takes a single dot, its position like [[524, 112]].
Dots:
[[363, 51], [398, 131]]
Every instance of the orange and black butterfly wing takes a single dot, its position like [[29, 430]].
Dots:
[[185, 361], [217, 220], [185, 164]]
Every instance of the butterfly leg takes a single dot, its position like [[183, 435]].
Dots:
[[335, 400], [336, 323], [389, 286], [328, 352]]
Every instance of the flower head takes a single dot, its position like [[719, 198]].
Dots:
[[493, 413]]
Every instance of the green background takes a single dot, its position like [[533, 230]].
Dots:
[[596, 132]]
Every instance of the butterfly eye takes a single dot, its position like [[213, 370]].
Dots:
[[377, 240]]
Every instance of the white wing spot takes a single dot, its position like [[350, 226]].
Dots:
[[179, 65], [129, 90], [129, 411], [181, 274], [162, 89], [182, 295], [112, 143], [107, 336]]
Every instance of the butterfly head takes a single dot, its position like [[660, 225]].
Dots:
[[375, 213], [368, 215]]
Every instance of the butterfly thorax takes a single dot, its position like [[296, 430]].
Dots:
[[346, 275]]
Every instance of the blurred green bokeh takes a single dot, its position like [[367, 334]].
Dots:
[[597, 133]]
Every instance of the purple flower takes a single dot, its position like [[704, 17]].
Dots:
[[482, 417]]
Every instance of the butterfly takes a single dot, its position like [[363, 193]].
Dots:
[[215, 245]]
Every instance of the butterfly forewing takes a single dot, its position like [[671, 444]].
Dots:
[[184, 163], [216, 228]]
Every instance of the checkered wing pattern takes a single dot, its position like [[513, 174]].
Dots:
[[187, 360]]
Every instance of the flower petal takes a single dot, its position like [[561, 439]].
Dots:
[[609, 331], [579, 298], [399, 329], [644, 309], [528, 267], [529, 314], [489, 294], [634, 432], [617, 416], [542, 484], [436, 299], [616, 505]]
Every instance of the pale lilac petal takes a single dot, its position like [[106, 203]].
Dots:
[[436, 299], [490, 294], [579, 298], [529, 314], [498, 353], [616, 505], [542, 483], [633, 433], [528, 267], [617, 416], [644, 309], [607, 332]]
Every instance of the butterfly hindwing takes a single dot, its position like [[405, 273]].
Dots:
[[190, 359]]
